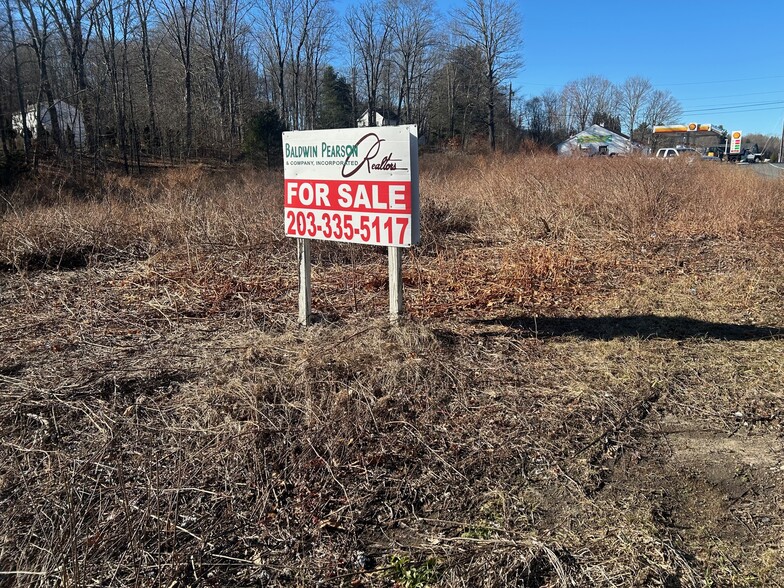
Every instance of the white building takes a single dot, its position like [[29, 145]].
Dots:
[[381, 121], [596, 140], [69, 119]]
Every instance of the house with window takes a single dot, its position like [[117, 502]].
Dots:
[[381, 121]]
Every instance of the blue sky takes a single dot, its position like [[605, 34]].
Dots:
[[720, 59]]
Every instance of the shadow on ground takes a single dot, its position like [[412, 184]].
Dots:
[[645, 326]]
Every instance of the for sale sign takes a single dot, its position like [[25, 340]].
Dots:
[[352, 185], [735, 141]]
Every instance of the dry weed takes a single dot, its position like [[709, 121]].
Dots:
[[588, 391]]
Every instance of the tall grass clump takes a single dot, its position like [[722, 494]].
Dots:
[[519, 197], [544, 196], [730, 201], [123, 217]]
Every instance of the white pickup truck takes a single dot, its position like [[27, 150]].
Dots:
[[678, 152], [752, 154]]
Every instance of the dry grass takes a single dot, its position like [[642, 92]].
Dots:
[[588, 393]]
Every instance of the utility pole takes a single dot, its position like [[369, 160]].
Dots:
[[510, 99], [781, 142], [509, 131]]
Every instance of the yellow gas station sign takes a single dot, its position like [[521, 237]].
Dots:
[[670, 129], [689, 128]]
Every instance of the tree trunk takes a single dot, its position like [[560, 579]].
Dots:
[[153, 138], [46, 86], [491, 109], [19, 93], [188, 110]]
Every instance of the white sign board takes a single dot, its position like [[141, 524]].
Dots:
[[735, 141], [352, 185]]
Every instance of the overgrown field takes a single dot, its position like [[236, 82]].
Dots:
[[588, 389]]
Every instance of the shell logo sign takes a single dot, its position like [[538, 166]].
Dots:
[[693, 126], [735, 141]]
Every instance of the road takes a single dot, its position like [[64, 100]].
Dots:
[[771, 170]]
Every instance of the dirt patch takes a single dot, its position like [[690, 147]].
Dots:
[[707, 492], [724, 480]]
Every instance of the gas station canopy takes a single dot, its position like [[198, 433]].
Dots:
[[689, 128]]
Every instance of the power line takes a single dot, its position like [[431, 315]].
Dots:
[[520, 99], [734, 95], [722, 81], [700, 112], [667, 85], [735, 106]]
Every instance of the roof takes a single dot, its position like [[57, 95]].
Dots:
[[594, 136]]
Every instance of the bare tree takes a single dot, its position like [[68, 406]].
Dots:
[[36, 20], [662, 108], [552, 104], [457, 110], [634, 94], [308, 41], [494, 27], [5, 76], [178, 17], [607, 100], [221, 21], [143, 15], [18, 76], [588, 96], [113, 35], [371, 29], [278, 17], [75, 20], [414, 40], [243, 81], [317, 45]]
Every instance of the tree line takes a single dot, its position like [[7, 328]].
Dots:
[[180, 79], [633, 107]]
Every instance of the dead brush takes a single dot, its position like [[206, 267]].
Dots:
[[729, 201], [183, 208], [165, 422], [545, 196], [513, 275], [447, 207], [67, 237]]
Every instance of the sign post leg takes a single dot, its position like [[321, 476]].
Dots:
[[395, 255], [303, 259]]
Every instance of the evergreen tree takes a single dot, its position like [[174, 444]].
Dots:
[[264, 137], [335, 107]]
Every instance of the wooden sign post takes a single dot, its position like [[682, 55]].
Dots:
[[395, 255], [303, 262]]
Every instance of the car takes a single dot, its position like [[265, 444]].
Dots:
[[678, 152], [752, 154]]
